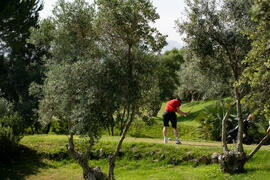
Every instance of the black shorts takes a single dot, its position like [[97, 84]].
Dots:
[[169, 116]]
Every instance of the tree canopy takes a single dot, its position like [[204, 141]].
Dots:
[[20, 61], [214, 36], [100, 64], [257, 73]]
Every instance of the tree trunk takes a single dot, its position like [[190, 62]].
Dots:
[[112, 158], [88, 172], [122, 121], [109, 131], [240, 120], [232, 162], [224, 129], [112, 125]]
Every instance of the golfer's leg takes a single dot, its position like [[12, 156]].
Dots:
[[175, 133], [165, 125], [174, 125], [176, 136], [165, 133]]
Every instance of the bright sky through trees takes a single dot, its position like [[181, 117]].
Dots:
[[169, 11]]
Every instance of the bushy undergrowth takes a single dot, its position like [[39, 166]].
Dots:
[[210, 120], [11, 130]]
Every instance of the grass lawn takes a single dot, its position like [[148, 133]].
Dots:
[[129, 168], [143, 155], [187, 126]]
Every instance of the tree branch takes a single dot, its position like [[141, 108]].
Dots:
[[258, 146], [91, 143], [240, 121], [112, 158], [224, 128]]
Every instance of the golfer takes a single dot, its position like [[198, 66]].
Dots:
[[169, 115]]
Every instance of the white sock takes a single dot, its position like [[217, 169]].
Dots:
[[176, 139], [165, 138]]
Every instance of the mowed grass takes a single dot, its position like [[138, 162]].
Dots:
[[187, 126], [147, 167], [143, 154]]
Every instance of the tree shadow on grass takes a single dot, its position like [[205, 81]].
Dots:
[[21, 164], [257, 169]]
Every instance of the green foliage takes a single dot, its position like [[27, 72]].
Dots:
[[128, 23], [73, 99], [128, 39], [210, 121], [20, 61], [58, 127], [11, 129], [168, 78], [215, 44], [258, 60], [72, 89], [149, 121], [216, 47], [197, 85]]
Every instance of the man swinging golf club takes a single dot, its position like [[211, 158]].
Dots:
[[169, 115]]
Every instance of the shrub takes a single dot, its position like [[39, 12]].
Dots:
[[11, 129], [210, 120]]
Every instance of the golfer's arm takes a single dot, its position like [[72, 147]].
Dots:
[[181, 112]]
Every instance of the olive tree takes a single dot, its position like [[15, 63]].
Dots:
[[214, 36], [72, 93], [75, 70], [100, 65], [199, 83], [128, 37]]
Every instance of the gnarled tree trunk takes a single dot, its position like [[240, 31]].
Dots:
[[89, 173], [230, 161], [233, 161]]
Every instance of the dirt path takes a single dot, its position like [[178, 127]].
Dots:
[[196, 143]]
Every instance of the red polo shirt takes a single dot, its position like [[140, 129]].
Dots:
[[172, 105]]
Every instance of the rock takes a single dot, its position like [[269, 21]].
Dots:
[[203, 160], [214, 157], [133, 148]]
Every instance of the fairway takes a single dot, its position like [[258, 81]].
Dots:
[[146, 167]]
